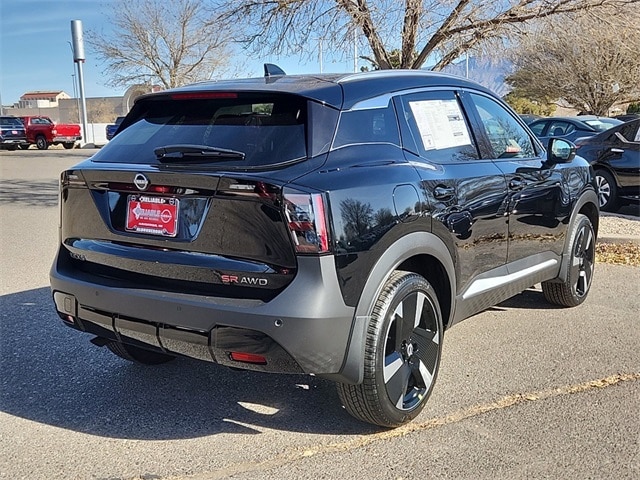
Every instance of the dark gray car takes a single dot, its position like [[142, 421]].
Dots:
[[571, 128], [12, 133]]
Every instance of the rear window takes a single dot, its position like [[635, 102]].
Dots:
[[269, 129], [601, 125], [11, 122]]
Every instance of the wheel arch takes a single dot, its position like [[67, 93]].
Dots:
[[419, 252], [587, 204]]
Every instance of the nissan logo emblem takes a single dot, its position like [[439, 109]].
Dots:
[[141, 181]]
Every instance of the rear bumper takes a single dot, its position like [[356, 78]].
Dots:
[[66, 139], [305, 329]]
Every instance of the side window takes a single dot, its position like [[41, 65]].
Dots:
[[439, 127], [507, 137], [630, 132], [559, 128], [538, 128], [376, 125]]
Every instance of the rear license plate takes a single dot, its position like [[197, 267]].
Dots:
[[152, 215]]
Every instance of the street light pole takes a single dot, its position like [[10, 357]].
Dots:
[[79, 58]]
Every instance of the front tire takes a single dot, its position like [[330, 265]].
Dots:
[[607, 191], [402, 354], [138, 355], [41, 142], [573, 291]]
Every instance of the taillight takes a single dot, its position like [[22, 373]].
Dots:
[[70, 178], [307, 221]]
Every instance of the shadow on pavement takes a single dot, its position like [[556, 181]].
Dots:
[[29, 193], [51, 374]]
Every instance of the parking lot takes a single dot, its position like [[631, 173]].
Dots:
[[525, 390]]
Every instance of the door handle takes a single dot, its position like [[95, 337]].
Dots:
[[617, 150], [443, 193]]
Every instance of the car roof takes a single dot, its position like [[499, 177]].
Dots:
[[337, 90]]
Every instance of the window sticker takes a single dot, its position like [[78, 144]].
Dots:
[[440, 123]]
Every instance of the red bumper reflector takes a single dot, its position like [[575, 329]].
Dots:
[[248, 358]]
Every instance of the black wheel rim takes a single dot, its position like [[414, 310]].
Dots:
[[583, 260], [604, 190], [412, 351]]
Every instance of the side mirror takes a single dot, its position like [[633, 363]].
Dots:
[[560, 151]]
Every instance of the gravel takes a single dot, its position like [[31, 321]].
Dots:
[[618, 225]]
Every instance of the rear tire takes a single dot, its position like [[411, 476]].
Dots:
[[573, 291], [68, 146], [24, 146], [607, 191], [402, 354], [41, 142], [138, 355]]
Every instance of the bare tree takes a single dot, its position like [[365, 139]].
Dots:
[[436, 30], [163, 42], [589, 62]]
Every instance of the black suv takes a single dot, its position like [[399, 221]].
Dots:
[[12, 133], [333, 225]]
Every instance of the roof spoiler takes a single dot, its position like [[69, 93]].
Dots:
[[270, 70]]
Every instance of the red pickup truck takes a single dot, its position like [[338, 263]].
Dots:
[[43, 132]]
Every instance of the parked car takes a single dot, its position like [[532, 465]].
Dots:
[[571, 128], [529, 118], [111, 129], [615, 157], [42, 132], [627, 116], [12, 133], [333, 225]]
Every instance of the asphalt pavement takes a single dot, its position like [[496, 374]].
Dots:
[[525, 390]]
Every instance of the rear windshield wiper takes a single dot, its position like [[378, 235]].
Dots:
[[170, 153]]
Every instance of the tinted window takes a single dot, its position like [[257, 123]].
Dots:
[[12, 121], [537, 128], [507, 137], [376, 125], [559, 128], [439, 127], [631, 132], [269, 129]]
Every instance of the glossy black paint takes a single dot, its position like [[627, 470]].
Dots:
[[475, 210], [617, 151]]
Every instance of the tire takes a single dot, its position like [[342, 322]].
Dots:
[[607, 191], [12, 148], [402, 354], [138, 355], [68, 145], [41, 142], [25, 146], [573, 291]]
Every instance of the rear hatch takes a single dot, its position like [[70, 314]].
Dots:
[[194, 196], [12, 130]]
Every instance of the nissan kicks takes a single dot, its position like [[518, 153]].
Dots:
[[333, 225]]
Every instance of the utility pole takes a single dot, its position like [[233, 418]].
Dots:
[[79, 58]]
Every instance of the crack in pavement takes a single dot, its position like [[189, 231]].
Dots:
[[508, 401]]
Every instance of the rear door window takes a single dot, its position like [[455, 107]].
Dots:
[[437, 127]]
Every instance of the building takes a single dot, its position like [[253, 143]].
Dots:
[[41, 99]]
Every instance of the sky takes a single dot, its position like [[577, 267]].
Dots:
[[35, 50]]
